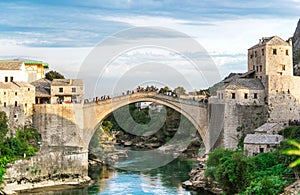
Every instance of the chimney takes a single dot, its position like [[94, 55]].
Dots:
[[290, 42]]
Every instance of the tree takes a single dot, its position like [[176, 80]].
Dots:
[[179, 91], [53, 75], [164, 90]]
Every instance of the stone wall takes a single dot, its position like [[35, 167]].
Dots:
[[249, 117], [60, 125], [283, 98], [49, 164]]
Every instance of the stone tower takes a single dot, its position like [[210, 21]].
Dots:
[[271, 56], [271, 60]]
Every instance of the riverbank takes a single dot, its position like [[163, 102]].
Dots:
[[15, 188], [199, 182]]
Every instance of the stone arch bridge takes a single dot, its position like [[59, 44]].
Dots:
[[67, 129], [73, 125]]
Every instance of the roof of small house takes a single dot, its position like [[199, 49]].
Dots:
[[248, 83], [42, 87], [274, 40], [10, 65], [262, 139], [27, 62], [22, 84], [268, 127], [67, 82], [13, 85]]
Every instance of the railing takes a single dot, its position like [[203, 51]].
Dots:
[[153, 95]]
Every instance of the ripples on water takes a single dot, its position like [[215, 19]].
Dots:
[[161, 181]]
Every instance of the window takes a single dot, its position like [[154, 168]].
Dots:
[[232, 95], [16, 93], [287, 52], [251, 56], [28, 89], [25, 105], [221, 95], [245, 95], [4, 104], [255, 54], [255, 96], [253, 67], [16, 103], [261, 150], [15, 116], [260, 68], [274, 51], [283, 67], [256, 68], [6, 79], [262, 52], [61, 89], [11, 79], [73, 89], [260, 77], [4, 92]]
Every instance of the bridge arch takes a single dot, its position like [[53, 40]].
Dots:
[[96, 112]]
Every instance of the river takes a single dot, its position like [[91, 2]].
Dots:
[[163, 180]]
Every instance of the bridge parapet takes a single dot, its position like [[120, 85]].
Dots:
[[153, 95]]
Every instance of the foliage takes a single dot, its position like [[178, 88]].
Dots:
[[293, 152], [164, 89], [292, 132], [107, 126], [267, 185], [179, 91], [3, 126], [53, 75], [236, 173], [13, 148]]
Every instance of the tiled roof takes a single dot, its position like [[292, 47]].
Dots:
[[27, 61], [10, 65], [23, 84], [251, 83], [274, 40], [67, 82], [262, 139], [268, 127], [42, 87]]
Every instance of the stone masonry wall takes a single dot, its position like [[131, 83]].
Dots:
[[48, 165], [247, 116], [283, 98]]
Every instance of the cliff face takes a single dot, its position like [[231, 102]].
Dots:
[[296, 37], [296, 49]]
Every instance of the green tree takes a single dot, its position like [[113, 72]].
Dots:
[[179, 91], [164, 89], [53, 75]]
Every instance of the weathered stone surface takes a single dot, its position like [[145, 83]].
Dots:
[[199, 182], [293, 189]]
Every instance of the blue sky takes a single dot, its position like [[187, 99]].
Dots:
[[64, 32]]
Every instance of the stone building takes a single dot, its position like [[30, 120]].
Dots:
[[259, 143], [17, 100], [67, 91], [42, 91], [244, 91], [265, 139], [269, 128], [21, 70], [272, 61]]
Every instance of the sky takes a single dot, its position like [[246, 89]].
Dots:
[[64, 33]]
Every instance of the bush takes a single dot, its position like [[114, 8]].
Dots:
[[236, 173], [267, 185]]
